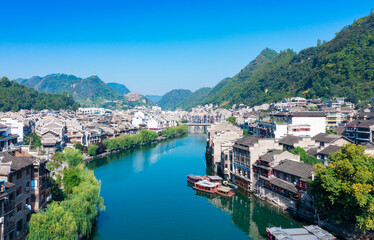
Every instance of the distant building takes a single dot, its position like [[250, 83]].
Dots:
[[301, 124], [7, 139], [360, 131], [246, 151]]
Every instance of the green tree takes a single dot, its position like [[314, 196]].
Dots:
[[36, 142], [231, 120], [344, 189], [78, 146], [331, 131], [53, 223], [73, 156], [71, 178], [304, 157], [147, 135], [245, 132], [92, 150], [4, 82]]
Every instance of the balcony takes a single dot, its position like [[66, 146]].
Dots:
[[9, 228], [10, 207]]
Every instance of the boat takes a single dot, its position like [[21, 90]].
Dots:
[[225, 191], [206, 186], [215, 179], [194, 178]]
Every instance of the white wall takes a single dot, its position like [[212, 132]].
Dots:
[[317, 124]]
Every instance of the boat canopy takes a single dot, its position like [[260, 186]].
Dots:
[[192, 176], [205, 183], [215, 178]]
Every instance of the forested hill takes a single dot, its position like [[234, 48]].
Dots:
[[14, 96], [171, 99], [119, 88], [226, 89], [343, 66], [83, 89]]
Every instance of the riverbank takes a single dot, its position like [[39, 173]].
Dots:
[[134, 146]]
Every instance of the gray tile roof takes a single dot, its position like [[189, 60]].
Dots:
[[360, 123], [298, 169], [290, 140], [283, 184], [325, 137], [17, 162], [330, 149], [247, 141], [312, 151], [269, 156], [308, 114], [369, 145]]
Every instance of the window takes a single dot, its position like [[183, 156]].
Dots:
[[19, 191], [27, 187], [11, 178], [27, 171], [19, 175], [19, 207]]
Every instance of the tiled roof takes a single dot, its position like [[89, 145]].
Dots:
[[360, 123], [330, 149], [298, 169], [290, 140], [325, 137], [247, 140], [269, 156], [17, 162], [283, 184]]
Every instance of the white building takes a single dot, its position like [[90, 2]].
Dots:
[[301, 124]]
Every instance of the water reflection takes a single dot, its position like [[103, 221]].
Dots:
[[143, 159], [249, 213]]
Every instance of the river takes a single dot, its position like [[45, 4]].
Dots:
[[147, 197]]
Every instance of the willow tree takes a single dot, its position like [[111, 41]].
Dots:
[[53, 223]]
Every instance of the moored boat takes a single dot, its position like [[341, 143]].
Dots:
[[206, 186], [215, 179], [225, 191], [194, 178]]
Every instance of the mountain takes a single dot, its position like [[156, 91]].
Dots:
[[343, 66], [194, 99], [171, 99], [91, 89], [228, 88], [119, 88], [154, 98], [15, 96]]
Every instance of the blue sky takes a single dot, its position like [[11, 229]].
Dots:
[[155, 46]]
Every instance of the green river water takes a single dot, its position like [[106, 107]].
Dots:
[[147, 197]]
